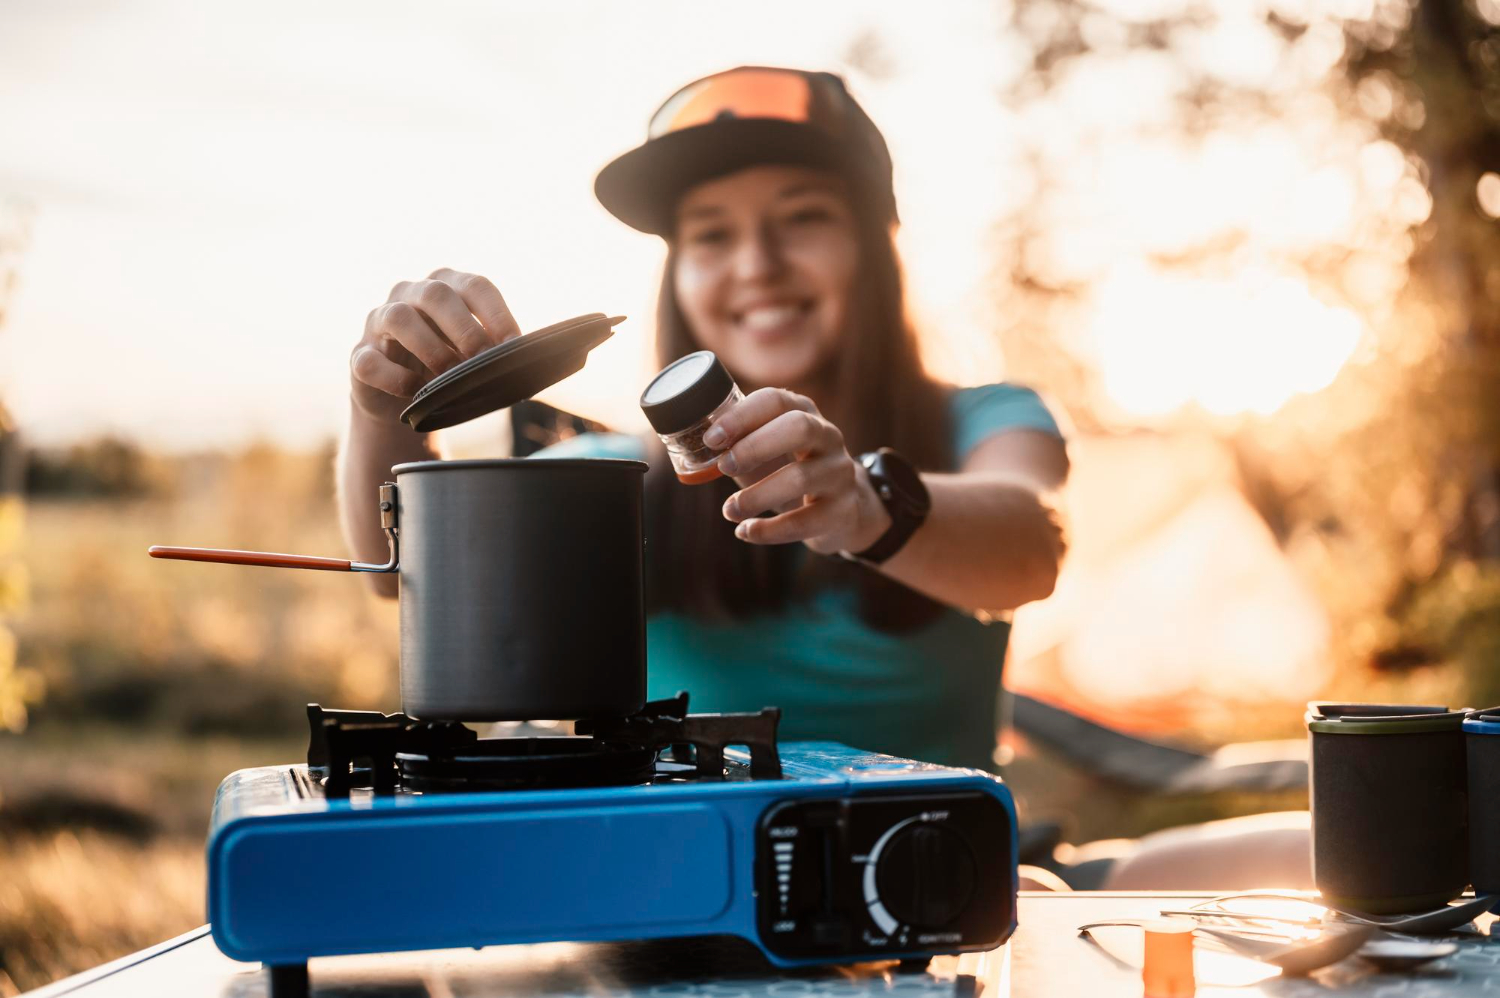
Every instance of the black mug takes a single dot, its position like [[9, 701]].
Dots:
[[1482, 740], [1389, 800]]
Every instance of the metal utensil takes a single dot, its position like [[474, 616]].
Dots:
[[1435, 922], [1242, 916], [1294, 956], [1404, 954]]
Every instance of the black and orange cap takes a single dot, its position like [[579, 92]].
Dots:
[[744, 117]]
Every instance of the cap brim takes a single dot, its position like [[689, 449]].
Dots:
[[641, 187]]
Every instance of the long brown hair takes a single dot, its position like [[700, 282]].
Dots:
[[695, 564]]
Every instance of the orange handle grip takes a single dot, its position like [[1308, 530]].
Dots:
[[266, 559]]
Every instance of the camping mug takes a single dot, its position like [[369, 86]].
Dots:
[[1482, 740], [1389, 800]]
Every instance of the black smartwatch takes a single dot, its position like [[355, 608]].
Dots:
[[904, 496]]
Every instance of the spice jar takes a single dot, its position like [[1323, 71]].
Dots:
[[681, 403]]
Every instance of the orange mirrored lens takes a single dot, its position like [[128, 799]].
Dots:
[[748, 93]]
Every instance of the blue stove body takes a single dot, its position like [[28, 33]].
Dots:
[[849, 856]]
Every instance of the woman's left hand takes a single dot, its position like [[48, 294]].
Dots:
[[788, 459]]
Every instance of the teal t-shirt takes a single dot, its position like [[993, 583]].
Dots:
[[930, 694]]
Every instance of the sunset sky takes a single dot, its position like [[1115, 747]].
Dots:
[[218, 195]]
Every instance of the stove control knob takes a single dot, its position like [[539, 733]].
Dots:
[[926, 875]]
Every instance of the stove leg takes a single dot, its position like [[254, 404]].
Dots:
[[288, 980]]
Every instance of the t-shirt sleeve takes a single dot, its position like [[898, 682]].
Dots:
[[983, 411], [615, 445]]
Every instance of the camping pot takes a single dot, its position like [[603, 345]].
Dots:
[[522, 586]]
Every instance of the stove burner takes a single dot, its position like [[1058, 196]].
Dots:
[[526, 764], [365, 748]]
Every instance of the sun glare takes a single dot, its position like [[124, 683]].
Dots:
[[1246, 345]]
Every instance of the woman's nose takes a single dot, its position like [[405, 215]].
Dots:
[[758, 256]]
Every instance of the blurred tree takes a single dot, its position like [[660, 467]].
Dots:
[[18, 686], [107, 467], [1385, 486], [1433, 82]]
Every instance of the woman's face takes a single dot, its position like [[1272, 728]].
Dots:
[[764, 263]]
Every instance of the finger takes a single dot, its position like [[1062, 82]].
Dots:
[[747, 478], [443, 309], [384, 340], [793, 485], [378, 371], [797, 433], [398, 353], [402, 322], [811, 520], [754, 411], [484, 301]]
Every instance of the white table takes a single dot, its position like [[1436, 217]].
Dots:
[[1046, 959]]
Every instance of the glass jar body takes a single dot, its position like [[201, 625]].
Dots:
[[693, 460]]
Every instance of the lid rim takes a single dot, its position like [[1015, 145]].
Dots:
[[501, 375], [1334, 717], [574, 463]]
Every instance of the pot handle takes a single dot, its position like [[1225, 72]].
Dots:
[[270, 559]]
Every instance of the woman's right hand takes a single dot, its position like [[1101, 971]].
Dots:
[[424, 328]]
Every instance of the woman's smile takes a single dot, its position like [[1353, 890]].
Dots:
[[772, 320]]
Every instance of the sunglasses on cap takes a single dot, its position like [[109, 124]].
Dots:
[[744, 117], [816, 99]]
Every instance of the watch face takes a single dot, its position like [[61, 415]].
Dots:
[[903, 478]]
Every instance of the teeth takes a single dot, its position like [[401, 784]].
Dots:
[[768, 317]]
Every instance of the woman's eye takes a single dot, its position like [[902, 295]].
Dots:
[[803, 216], [709, 237]]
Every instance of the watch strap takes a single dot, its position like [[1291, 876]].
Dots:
[[904, 519], [890, 542]]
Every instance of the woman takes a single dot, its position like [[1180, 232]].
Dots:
[[772, 190]]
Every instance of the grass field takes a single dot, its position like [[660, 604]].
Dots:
[[103, 841], [160, 678]]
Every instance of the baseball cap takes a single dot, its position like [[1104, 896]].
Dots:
[[744, 117]]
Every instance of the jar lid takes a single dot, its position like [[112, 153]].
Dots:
[[508, 372], [685, 391]]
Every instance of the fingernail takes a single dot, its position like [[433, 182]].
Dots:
[[715, 436], [732, 507], [728, 464], [742, 530]]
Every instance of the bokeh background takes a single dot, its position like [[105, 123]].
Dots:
[[1250, 248]]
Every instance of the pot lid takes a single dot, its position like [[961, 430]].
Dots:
[[508, 372]]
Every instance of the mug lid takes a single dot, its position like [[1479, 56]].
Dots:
[[508, 372], [1484, 721], [1380, 718]]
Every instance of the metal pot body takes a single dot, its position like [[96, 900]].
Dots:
[[522, 589]]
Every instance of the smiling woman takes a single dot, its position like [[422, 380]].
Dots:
[[772, 191]]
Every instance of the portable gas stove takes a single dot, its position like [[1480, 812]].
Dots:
[[404, 835]]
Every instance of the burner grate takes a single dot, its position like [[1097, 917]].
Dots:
[[365, 748], [525, 764], [664, 723]]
